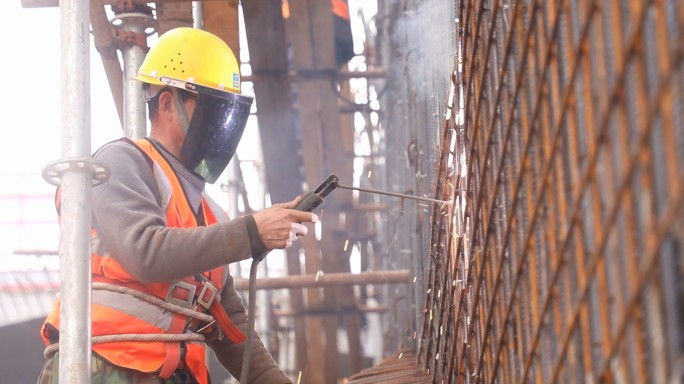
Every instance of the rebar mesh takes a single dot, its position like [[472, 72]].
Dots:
[[560, 260]]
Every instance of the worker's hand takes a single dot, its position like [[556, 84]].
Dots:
[[280, 225]]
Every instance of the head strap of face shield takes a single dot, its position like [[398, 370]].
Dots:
[[182, 113], [150, 91]]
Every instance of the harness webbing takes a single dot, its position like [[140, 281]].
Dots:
[[144, 337]]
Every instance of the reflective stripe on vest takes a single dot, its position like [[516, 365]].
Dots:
[[134, 307]]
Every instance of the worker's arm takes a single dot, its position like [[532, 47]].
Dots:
[[263, 370], [128, 217], [132, 225]]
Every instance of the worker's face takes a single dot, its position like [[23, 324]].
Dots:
[[170, 116]]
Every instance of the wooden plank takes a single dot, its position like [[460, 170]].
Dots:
[[173, 15], [279, 133], [277, 116], [321, 365], [221, 19], [327, 152]]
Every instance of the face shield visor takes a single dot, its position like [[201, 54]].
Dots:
[[214, 131]]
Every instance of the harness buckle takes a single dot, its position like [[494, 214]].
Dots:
[[207, 289], [183, 286]]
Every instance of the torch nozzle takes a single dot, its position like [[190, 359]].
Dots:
[[401, 195]]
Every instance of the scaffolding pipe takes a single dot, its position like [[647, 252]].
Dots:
[[133, 54], [74, 246], [327, 280], [197, 15], [76, 172], [105, 44]]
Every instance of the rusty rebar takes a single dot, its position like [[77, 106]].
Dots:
[[572, 143]]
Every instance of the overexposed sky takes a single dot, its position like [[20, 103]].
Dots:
[[30, 113], [31, 77]]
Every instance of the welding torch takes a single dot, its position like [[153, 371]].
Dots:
[[315, 198]]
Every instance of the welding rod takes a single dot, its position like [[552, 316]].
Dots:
[[403, 196]]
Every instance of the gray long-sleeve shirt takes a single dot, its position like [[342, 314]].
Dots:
[[129, 220]]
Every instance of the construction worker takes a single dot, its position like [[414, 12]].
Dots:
[[344, 42], [160, 245]]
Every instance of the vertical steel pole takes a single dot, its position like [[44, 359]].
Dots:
[[197, 15], [74, 247], [135, 126], [76, 172], [134, 105]]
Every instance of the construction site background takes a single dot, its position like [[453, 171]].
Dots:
[[555, 128]]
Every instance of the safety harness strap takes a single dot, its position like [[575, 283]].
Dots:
[[215, 308], [173, 349], [227, 326], [180, 294]]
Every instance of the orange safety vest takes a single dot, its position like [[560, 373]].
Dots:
[[116, 313]]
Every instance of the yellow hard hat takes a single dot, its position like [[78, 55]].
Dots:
[[194, 56]]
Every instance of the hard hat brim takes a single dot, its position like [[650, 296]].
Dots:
[[147, 79]]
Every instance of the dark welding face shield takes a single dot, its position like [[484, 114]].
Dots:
[[214, 131]]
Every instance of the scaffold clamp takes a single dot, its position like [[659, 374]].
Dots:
[[54, 171]]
